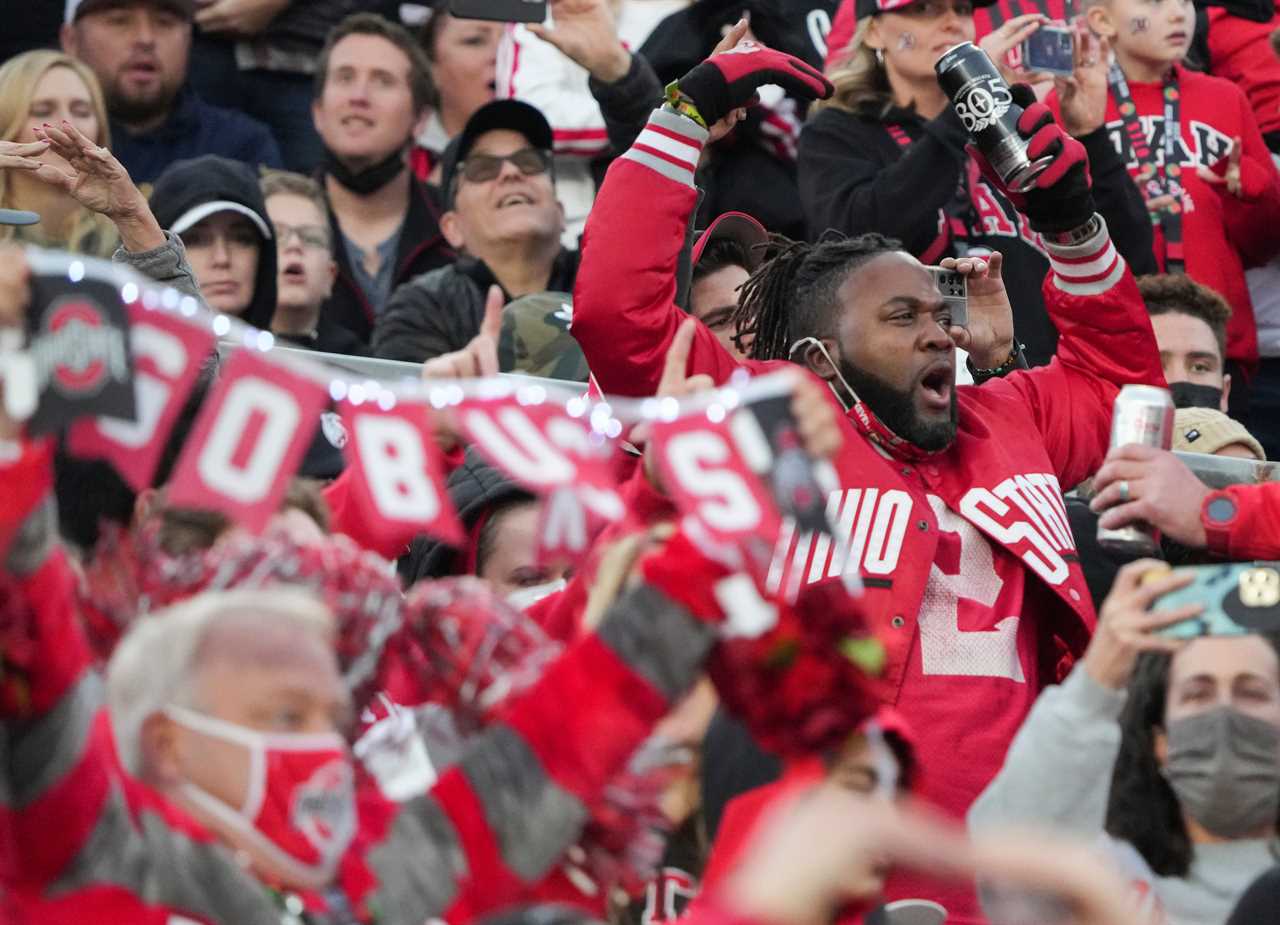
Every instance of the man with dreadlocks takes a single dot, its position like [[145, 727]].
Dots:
[[951, 508]]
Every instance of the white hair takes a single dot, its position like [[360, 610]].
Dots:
[[156, 663]]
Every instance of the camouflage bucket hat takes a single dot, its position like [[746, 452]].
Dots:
[[535, 338]]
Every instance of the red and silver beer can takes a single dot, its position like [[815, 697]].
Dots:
[[1143, 414]]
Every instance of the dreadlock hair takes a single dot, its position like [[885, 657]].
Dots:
[[793, 295]]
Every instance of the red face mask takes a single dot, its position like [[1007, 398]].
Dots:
[[299, 811]]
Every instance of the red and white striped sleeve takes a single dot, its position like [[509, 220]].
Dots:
[[670, 144], [1088, 268]]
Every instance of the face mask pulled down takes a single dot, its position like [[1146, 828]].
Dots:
[[871, 424], [299, 810], [1224, 767]]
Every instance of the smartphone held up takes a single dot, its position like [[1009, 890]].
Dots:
[[534, 11]]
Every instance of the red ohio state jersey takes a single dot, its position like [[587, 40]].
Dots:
[[968, 566]]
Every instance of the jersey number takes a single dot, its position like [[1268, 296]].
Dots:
[[944, 647]]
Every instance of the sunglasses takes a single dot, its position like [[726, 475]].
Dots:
[[480, 168]]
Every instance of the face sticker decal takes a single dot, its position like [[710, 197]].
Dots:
[[906, 41], [1138, 24]]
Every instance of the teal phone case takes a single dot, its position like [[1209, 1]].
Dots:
[[1239, 598]]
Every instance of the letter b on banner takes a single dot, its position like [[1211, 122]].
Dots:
[[248, 440], [396, 473]]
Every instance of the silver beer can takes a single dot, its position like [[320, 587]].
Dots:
[[1143, 414], [981, 98]]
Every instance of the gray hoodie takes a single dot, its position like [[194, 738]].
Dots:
[[1057, 774]]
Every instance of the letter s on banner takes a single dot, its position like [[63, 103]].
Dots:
[[707, 478], [248, 440], [397, 475], [168, 353]]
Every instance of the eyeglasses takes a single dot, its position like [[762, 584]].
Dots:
[[480, 168], [312, 236]]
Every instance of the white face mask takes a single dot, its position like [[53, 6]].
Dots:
[[299, 811], [524, 598]]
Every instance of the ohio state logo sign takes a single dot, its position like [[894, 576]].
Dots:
[[79, 352]]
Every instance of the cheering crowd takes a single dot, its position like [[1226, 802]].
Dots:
[[702, 558]]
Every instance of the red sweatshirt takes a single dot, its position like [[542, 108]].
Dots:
[[1240, 51], [1222, 234]]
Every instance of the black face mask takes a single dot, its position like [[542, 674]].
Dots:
[[1194, 395], [369, 180]]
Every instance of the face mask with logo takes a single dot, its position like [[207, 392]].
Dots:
[[299, 811], [864, 418], [1194, 395], [1224, 766], [524, 598]]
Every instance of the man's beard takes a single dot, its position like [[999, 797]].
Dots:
[[897, 410], [133, 109]]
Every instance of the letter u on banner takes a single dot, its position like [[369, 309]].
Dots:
[[168, 353], [248, 440], [396, 473]]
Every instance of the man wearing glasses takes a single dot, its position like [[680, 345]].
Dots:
[[502, 217]]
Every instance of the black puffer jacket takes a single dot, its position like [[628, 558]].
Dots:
[[475, 488], [441, 311], [187, 184]]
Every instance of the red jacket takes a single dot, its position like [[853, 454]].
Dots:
[[1254, 532], [81, 841], [1222, 234], [1240, 51], [939, 545]]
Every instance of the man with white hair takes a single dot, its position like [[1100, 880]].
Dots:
[[226, 711]]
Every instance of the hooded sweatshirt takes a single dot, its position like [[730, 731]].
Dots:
[[475, 489], [191, 183]]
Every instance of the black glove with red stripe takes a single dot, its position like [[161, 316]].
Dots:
[[1059, 199], [729, 80]]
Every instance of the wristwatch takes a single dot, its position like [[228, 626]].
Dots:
[[1218, 516], [1076, 235]]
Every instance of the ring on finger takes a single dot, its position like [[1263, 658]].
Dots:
[[1123, 488]]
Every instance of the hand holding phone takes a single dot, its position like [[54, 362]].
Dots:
[[1050, 50], [954, 287], [1238, 598]]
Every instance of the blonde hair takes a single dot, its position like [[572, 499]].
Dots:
[[861, 82], [18, 79]]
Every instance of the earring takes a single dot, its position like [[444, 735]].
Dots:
[[880, 56]]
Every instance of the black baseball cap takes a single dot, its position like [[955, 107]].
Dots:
[[865, 8], [77, 8], [512, 115]]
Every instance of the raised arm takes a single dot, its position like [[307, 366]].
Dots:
[[637, 227]]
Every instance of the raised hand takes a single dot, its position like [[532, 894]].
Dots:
[[586, 33], [1009, 36], [1083, 95], [479, 358], [728, 80], [100, 183], [1229, 180], [1126, 623], [988, 335], [1140, 484]]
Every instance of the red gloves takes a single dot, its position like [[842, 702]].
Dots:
[[729, 80], [1060, 198]]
